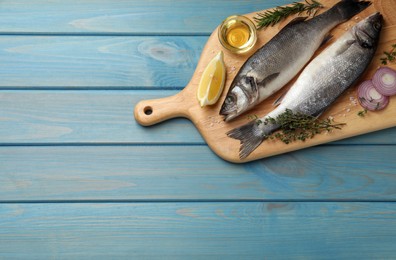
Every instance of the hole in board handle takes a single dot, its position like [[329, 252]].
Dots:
[[148, 111]]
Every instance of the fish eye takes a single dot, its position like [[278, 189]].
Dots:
[[230, 99], [377, 26]]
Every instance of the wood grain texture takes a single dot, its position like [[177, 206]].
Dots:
[[198, 230], [121, 17], [98, 62], [105, 117], [80, 179], [193, 173], [343, 110]]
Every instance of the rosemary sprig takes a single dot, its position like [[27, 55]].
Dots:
[[298, 126], [389, 56], [272, 17]]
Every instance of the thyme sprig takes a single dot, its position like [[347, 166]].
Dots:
[[362, 113], [272, 17], [390, 56], [298, 126]]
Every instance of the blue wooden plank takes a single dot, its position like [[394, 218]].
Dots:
[[65, 147], [194, 173], [99, 62], [125, 17], [198, 231], [84, 116], [102, 117]]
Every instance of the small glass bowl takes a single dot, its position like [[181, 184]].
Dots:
[[231, 22]]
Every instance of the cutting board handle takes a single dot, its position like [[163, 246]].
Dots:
[[150, 112]]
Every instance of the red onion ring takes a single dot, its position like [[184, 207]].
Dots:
[[370, 98], [384, 81]]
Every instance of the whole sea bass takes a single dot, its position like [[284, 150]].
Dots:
[[278, 61], [324, 79]]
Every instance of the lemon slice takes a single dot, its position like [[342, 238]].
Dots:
[[212, 81]]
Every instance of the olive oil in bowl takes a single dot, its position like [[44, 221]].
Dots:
[[237, 34]]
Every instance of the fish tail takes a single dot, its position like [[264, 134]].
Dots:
[[250, 135], [349, 8]]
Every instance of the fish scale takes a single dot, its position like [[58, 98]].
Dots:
[[277, 62], [323, 80]]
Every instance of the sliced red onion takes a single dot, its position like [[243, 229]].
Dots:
[[370, 98], [384, 81]]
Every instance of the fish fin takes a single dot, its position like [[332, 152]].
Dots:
[[344, 47], [250, 138], [252, 82], [279, 100], [326, 39], [254, 92], [268, 79], [349, 8]]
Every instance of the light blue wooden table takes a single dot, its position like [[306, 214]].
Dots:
[[80, 179]]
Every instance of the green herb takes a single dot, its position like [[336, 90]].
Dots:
[[252, 117], [298, 126], [362, 113], [272, 17], [389, 56]]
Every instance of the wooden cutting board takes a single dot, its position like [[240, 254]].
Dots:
[[212, 127]]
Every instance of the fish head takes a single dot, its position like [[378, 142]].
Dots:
[[368, 30], [238, 98]]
